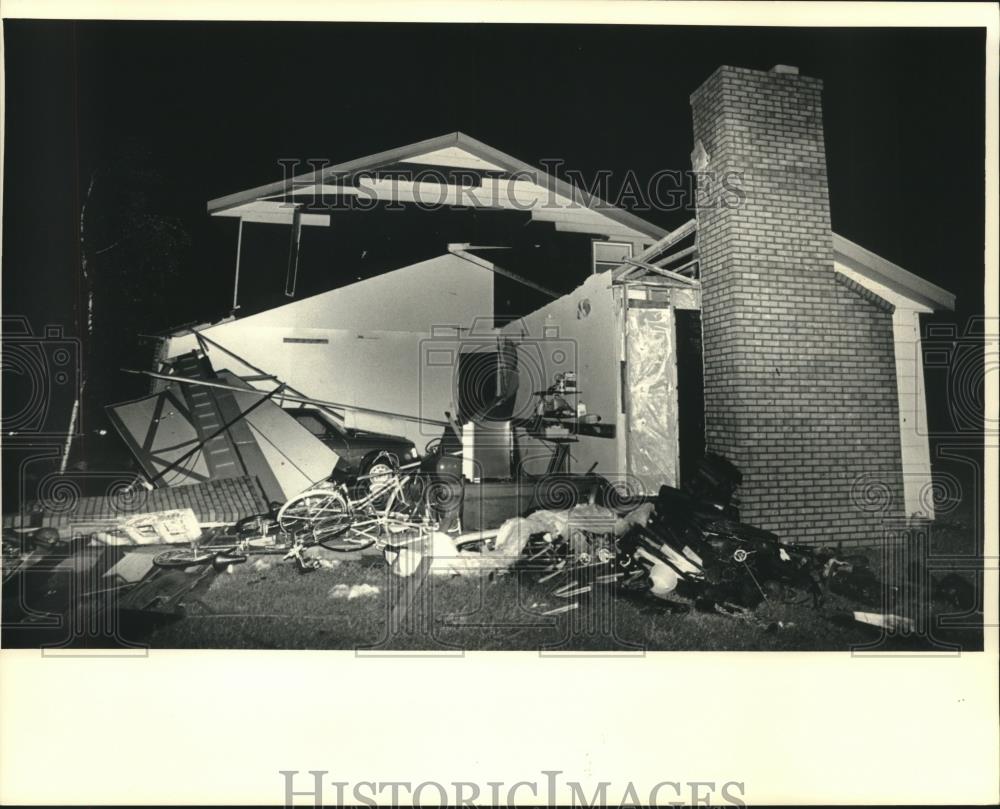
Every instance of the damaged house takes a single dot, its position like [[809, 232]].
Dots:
[[489, 294]]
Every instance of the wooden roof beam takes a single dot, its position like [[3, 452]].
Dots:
[[667, 241], [660, 271]]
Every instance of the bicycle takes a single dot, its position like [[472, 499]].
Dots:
[[327, 512], [254, 535], [394, 513]]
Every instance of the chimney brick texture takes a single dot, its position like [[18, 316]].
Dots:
[[800, 378]]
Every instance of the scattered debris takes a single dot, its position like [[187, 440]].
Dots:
[[693, 545], [885, 620], [684, 550], [559, 610], [853, 580], [162, 527], [132, 567], [350, 592]]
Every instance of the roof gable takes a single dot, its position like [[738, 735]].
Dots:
[[568, 206]]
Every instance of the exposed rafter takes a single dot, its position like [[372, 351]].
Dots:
[[662, 244]]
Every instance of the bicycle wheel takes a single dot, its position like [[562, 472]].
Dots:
[[320, 514], [183, 557], [346, 544]]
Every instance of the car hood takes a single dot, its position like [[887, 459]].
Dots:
[[382, 439]]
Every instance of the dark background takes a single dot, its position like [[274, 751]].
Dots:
[[165, 116]]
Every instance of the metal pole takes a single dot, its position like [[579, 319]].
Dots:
[[69, 435], [293, 253], [236, 282]]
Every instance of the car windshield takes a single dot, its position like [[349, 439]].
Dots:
[[316, 422]]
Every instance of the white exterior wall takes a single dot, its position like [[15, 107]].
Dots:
[[555, 339], [384, 345], [912, 399]]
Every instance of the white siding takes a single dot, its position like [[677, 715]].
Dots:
[[915, 447]]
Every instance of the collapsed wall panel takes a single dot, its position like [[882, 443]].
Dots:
[[267, 443], [294, 459], [159, 431]]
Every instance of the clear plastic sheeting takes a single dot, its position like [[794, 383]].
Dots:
[[651, 396]]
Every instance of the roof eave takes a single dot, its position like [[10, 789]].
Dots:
[[371, 161], [892, 275]]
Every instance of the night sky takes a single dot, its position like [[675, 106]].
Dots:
[[211, 108]]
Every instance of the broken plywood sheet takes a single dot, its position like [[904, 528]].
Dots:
[[295, 457], [159, 429], [133, 566]]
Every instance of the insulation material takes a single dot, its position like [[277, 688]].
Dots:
[[651, 397]]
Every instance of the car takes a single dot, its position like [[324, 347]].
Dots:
[[362, 453]]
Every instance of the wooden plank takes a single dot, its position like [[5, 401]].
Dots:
[[277, 213], [669, 240], [572, 216], [680, 270], [583, 220], [659, 271], [307, 219], [504, 194], [319, 190], [453, 156], [687, 251], [635, 303], [680, 298], [595, 229]]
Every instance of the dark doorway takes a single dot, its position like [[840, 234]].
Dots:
[[690, 392]]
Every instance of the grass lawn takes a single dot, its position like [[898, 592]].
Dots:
[[268, 604]]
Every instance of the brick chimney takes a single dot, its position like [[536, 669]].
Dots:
[[800, 379]]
